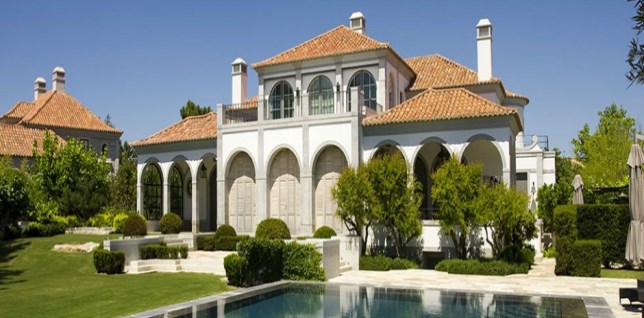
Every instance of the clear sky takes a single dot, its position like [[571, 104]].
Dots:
[[140, 61]]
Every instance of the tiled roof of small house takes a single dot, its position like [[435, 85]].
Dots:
[[338, 41], [191, 128], [18, 140], [443, 104], [58, 109]]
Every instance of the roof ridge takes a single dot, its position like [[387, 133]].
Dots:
[[37, 108], [14, 107], [487, 101], [403, 103]]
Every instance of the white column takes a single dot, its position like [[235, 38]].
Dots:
[[165, 176], [194, 171], [139, 187], [306, 228]]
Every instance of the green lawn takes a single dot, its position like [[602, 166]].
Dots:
[[37, 282], [622, 273]]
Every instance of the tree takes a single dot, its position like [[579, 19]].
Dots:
[[14, 194], [108, 120], [635, 58], [604, 152], [123, 184], [192, 109], [353, 195], [455, 190], [396, 199], [559, 193]]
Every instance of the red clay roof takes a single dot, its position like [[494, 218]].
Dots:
[[18, 110], [59, 109], [18, 140], [436, 70], [444, 104], [338, 41], [189, 129]]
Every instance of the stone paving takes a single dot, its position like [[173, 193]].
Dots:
[[539, 281]]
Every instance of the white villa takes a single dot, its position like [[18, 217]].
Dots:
[[332, 102]]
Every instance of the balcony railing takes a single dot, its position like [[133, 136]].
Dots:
[[542, 141], [240, 113]]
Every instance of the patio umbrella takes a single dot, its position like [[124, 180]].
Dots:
[[635, 240], [578, 186]]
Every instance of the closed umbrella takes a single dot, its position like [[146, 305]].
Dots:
[[578, 186], [635, 240]]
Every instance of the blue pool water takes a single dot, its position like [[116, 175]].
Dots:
[[320, 300]]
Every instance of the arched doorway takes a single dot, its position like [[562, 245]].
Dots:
[[176, 191], [240, 183], [152, 192], [285, 191], [326, 172], [485, 152], [430, 157]]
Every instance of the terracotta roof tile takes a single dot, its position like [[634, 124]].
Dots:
[[18, 140], [59, 109], [444, 104], [436, 70], [189, 129], [18, 110], [338, 41]]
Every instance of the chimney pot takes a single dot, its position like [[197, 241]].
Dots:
[[240, 79], [484, 49], [40, 87], [357, 22], [58, 78]]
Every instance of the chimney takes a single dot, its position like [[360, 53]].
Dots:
[[357, 22], [40, 87], [240, 77], [484, 49], [58, 79]]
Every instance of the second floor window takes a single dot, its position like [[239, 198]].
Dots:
[[321, 96], [367, 84], [281, 101]]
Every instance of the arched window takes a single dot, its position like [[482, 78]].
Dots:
[[281, 101], [321, 96], [104, 149], [176, 191], [152, 192], [367, 84]]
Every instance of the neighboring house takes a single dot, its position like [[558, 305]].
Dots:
[[61, 114], [332, 102]]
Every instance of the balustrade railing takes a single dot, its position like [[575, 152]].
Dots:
[[240, 113]]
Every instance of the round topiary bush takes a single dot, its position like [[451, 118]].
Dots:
[[119, 221], [324, 232], [170, 223], [135, 226], [225, 230], [273, 229]]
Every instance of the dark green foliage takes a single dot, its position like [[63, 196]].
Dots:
[[123, 185], [119, 222], [237, 270], [14, 195], [635, 58], [271, 229], [11, 231], [162, 251], [192, 109], [518, 254], [229, 243], [587, 258], [225, 230], [302, 262], [206, 242], [324, 232], [481, 267], [135, 226], [170, 223], [35, 229], [565, 227], [384, 263], [265, 259], [607, 223], [109, 262]]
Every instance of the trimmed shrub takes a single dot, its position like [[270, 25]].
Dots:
[[271, 229], [237, 270], [302, 262], [384, 263], [265, 259], [225, 230], [608, 223], [587, 255], [170, 223], [119, 222], [206, 242], [518, 254], [565, 227], [135, 226], [481, 267], [35, 229], [162, 251], [324, 232], [228, 243], [109, 262]]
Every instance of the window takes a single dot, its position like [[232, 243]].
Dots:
[[281, 101], [402, 97], [176, 191], [321, 96], [104, 149], [152, 192], [367, 85], [85, 143], [522, 182]]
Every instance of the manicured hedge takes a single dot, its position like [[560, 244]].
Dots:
[[608, 223], [224, 243], [109, 262], [588, 252], [237, 270], [518, 254], [302, 262], [324, 232], [225, 230], [384, 263], [206, 242], [162, 251], [272, 229], [265, 259], [565, 227], [135, 226], [170, 223], [481, 267], [35, 229]]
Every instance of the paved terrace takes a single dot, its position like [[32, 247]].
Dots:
[[539, 281]]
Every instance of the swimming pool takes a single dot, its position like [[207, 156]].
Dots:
[[288, 299]]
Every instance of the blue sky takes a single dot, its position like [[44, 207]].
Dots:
[[140, 61]]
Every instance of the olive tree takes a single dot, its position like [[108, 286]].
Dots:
[[354, 195]]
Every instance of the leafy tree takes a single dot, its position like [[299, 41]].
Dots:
[[456, 188], [397, 199], [14, 194], [192, 109], [123, 184], [559, 193], [108, 120], [635, 58], [604, 152], [354, 195], [127, 152]]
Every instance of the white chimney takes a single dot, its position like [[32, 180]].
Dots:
[[40, 87], [357, 22], [484, 49], [58, 79], [240, 77]]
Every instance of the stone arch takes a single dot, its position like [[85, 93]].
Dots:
[[152, 192], [429, 156], [232, 155], [328, 165], [284, 188], [387, 145], [489, 155], [241, 192], [276, 150], [326, 144]]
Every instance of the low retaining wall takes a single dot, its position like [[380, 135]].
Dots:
[[130, 246], [89, 230]]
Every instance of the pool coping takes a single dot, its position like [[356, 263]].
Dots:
[[596, 307]]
